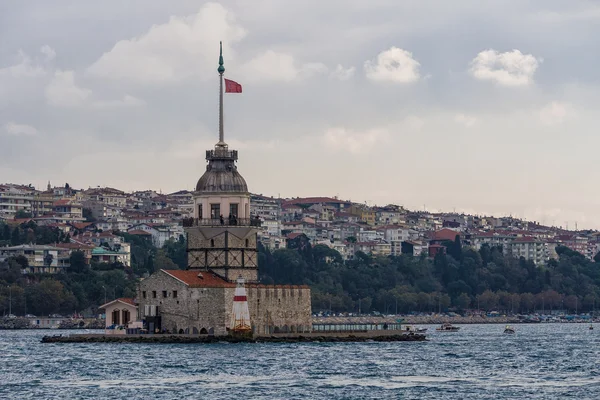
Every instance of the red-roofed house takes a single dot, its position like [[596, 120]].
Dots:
[[442, 235], [121, 316]]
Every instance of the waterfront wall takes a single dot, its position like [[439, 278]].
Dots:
[[273, 308]]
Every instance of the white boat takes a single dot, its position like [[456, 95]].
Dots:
[[447, 327], [509, 329]]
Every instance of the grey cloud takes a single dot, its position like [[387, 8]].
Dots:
[[134, 134]]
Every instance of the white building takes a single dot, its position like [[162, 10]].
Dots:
[[529, 248], [14, 199], [160, 233]]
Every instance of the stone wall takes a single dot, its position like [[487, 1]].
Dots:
[[273, 309], [194, 310], [279, 308]]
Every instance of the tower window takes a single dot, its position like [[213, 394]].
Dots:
[[215, 211], [233, 210], [200, 211], [212, 242], [247, 243]]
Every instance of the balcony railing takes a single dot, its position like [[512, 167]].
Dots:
[[189, 222], [221, 154]]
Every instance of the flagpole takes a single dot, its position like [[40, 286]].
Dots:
[[221, 70]]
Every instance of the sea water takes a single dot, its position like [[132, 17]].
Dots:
[[549, 361]]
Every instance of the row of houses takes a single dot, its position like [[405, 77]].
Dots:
[[393, 230], [340, 224]]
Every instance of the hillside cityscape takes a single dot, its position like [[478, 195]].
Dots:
[[67, 250]]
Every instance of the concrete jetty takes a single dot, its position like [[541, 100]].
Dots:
[[390, 336]]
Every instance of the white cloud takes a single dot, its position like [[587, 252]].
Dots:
[[173, 51], [465, 120], [48, 52], [276, 66], [343, 74], [63, 92], [393, 65], [126, 101], [354, 142], [25, 66], [15, 129], [511, 68], [555, 113]]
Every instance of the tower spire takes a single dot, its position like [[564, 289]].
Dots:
[[221, 70]]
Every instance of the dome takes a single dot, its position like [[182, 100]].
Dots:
[[221, 172], [215, 181]]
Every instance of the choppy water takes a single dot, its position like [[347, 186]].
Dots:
[[479, 362]]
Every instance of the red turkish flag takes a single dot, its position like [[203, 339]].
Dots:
[[232, 87]]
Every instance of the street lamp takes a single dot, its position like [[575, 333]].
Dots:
[[104, 294]]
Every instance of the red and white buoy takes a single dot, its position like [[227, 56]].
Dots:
[[240, 315]]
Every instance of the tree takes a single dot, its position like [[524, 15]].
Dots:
[[48, 258], [22, 214], [572, 303], [87, 214], [77, 261], [162, 261], [462, 302], [45, 297], [527, 302], [15, 238], [488, 300]]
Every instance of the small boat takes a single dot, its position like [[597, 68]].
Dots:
[[447, 328], [414, 329], [509, 329], [591, 327]]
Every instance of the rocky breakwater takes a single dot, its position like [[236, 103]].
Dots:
[[400, 337], [82, 324], [14, 323]]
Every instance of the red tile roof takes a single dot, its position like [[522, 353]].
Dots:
[[314, 200], [293, 235], [62, 202], [81, 225], [198, 278], [74, 246], [444, 234]]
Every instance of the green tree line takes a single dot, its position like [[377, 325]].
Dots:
[[462, 279]]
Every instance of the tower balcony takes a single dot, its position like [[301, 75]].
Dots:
[[215, 222], [221, 154]]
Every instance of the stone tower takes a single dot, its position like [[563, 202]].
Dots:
[[222, 237]]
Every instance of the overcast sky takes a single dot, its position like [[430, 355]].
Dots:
[[484, 107]]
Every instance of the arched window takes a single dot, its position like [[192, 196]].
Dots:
[[116, 317], [203, 331], [125, 317]]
